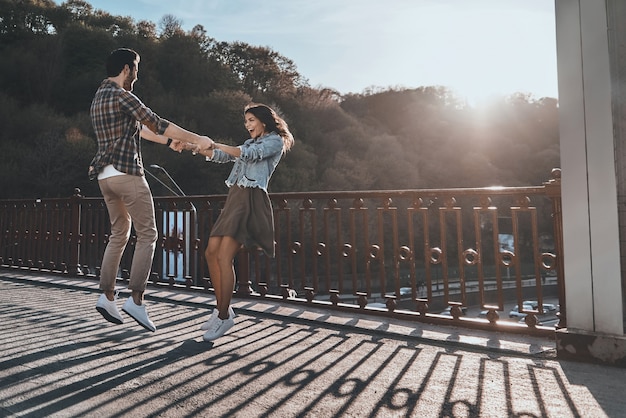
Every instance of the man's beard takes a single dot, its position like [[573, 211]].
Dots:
[[128, 82]]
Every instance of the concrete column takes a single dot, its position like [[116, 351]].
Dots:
[[593, 283], [616, 11]]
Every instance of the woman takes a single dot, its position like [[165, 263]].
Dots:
[[247, 217]]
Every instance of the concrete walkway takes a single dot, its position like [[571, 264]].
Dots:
[[59, 358]]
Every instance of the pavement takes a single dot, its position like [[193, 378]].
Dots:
[[60, 358]]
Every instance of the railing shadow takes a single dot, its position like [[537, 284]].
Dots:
[[61, 359]]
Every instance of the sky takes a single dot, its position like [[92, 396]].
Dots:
[[478, 48]]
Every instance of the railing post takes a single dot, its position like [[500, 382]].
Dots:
[[73, 268], [243, 273], [553, 191]]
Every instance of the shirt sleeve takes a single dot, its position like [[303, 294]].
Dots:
[[257, 151], [132, 105], [220, 156]]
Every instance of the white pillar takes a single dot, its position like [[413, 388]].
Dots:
[[589, 190]]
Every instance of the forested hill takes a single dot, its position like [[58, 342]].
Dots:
[[53, 61]]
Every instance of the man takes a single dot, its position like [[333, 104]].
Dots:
[[119, 120]]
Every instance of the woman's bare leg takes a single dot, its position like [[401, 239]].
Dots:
[[221, 252], [214, 270]]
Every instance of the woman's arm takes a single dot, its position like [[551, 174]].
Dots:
[[177, 134], [250, 150], [228, 149]]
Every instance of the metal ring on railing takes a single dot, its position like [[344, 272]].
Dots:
[[449, 202], [548, 257], [282, 204], [405, 253], [523, 202], [506, 258], [471, 257], [435, 255], [358, 203], [374, 251]]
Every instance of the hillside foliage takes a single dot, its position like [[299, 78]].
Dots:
[[387, 138]]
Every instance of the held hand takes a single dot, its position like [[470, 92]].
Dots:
[[177, 145], [194, 148], [184, 146], [205, 143]]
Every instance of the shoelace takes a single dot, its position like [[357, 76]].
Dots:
[[117, 295]]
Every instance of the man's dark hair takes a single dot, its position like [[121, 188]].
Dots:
[[118, 59]]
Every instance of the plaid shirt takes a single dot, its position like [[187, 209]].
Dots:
[[117, 116]]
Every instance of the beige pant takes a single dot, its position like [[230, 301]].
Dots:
[[129, 200]]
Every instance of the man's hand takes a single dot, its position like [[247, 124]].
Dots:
[[205, 143], [176, 145], [184, 146]]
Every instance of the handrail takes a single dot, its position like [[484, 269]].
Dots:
[[415, 252]]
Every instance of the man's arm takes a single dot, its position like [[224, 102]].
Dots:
[[176, 132], [159, 139]]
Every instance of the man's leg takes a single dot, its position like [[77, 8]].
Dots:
[[141, 208], [140, 205], [120, 232]]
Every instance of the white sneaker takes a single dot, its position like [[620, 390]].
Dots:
[[139, 314], [207, 324], [109, 310], [218, 328]]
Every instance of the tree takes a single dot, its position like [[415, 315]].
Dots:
[[260, 70], [24, 19], [183, 67], [170, 26], [53, 61], [146, 29]]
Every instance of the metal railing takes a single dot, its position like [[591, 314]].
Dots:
[[406, 253]]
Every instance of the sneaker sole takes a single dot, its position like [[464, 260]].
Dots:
[[108, 316], [139, 322], [213, 338], [219, 335]]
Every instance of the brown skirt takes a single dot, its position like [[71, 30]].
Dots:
[[248, 218]]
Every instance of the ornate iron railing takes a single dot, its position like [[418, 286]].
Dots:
[[407, 253]]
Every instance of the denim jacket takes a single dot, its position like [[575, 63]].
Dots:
[[257, 162]]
